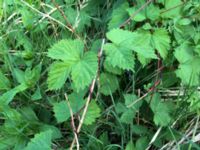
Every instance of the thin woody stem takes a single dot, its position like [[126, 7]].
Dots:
[[135, 13], [72, 122], [88, 98], [65, 18]]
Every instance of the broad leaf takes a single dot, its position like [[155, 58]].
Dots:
[[82, 66], [142, 44]]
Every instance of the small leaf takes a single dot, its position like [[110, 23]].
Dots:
[[129, 99], [41, 141], [4, 82], [7, 97], [111, 69], [139, 17], [108, 83], [169, 12], [142, 143], [56, 133], [119, 15], [189, 72], [79, 20], [161, 111], [128, 116], [36, 95], [61, 109], [130, 146], [93, 113]]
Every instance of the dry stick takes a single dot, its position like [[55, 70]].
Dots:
[[174, 7], [135, 13], [46, 15], [154, 138], [72, 122], [159, 65], [139, 99], [65, 18], [88, 98]]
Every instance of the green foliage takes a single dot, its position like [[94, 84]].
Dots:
[[119, 15], [92, 114], [109, 83], [118, 55], [161, 42], [161, 111], [41, 141], [62, 111], [4, 82], [74, 61], [144, 60]]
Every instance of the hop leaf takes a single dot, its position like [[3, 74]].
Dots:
[[82, 66]]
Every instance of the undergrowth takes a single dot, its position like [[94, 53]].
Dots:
[[99, 74]]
